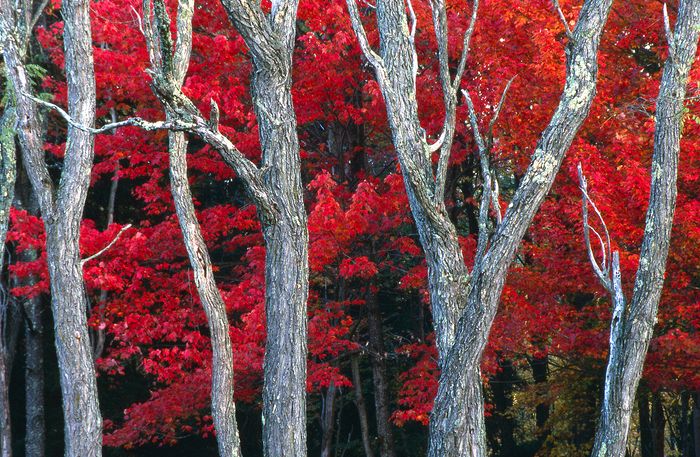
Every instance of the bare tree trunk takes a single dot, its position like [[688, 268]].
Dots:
[[464, 306], [379, 376], [361, 406], [632, 326], [62, 209], [276, 190], [222, 389], [696, 424]]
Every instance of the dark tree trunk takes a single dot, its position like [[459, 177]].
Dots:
[[540, 370], [502, 389], [646, 435], [632, 326], [361, 407], [658, 426], [8, 169], [379, 376], [328, 420], [35, 429], [696, 425]]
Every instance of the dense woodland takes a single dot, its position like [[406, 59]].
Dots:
[[321, 227]]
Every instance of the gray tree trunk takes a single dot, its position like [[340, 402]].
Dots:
[[62, 209], [276, 190], [223, 406], [464, 306], [633, 325]]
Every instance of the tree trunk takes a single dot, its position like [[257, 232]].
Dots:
[[630, 335], [379, 376], [696, 425], [286, 270], [646, 435], [463, 307], [8, 170], [223, 406], [361, 406], [540, 369], [327, 420], [62, 210], [658, 426]]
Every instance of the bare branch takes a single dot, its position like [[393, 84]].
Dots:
[[562, 18], [501, 102], [603, 272], [413, 38], [109, 245], [669, 32], [359, 29], [134, 121], [465, 47], [438, 143]]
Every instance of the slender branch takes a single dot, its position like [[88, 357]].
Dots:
[[562, 18], [133, 121], [603, 273], [413, 38], [465, 47], [109, 245], [374, 59], [669, 33], [499, 107]]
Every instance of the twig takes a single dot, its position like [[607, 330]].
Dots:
[[562, 18], [603, 273], [109, 245], [465, 47], [501, 102]]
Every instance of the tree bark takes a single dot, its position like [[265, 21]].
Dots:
[[275, 188], [361, 406], [61, 210], [223, 406], [464, 307], [632, 330]]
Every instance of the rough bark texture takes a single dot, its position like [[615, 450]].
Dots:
[[286, 263], [463, 306], [276, 190], [61, 210], [222, 402], [632, 330]]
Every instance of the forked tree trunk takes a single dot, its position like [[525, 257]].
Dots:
[[464, 306], [361, 406], [62, 210], [632, 325], [276, 190]]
